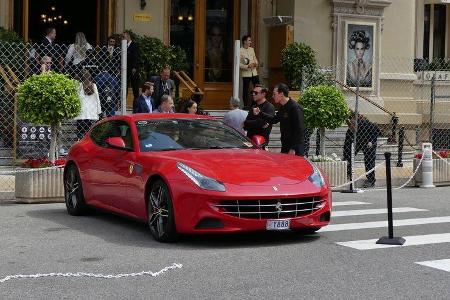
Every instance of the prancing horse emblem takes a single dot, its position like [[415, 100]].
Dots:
[[275, 188], [279, 207]]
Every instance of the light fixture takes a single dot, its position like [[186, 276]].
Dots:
[[50, 19], [180, 18], [65, 22], [55, 18], [43, 16], [143, 3], [59, 17], [45, 20], [53, 8], [190, 18]]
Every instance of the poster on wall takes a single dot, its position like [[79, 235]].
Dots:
[[359, 54]]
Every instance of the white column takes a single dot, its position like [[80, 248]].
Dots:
[[123, 79]]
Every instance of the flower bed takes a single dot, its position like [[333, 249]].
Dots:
[[36, 182], [333, 167]]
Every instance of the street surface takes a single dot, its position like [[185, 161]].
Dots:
[[336, 263]]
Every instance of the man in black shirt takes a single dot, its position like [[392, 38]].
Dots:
[[366, 140], [291, 118], [254, 125]]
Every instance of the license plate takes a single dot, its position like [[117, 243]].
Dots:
[[277, 224]]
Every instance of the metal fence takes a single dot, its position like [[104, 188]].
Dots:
[[400, 103], [21, 141]]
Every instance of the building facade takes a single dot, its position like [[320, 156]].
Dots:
[[395, 36]]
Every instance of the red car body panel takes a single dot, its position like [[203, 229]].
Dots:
[[116, 180]]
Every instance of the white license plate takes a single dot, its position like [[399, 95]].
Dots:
[[278, 224]]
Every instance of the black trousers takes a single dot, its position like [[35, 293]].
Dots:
[[369, 156], [245, 92], [83, 126], [296, 148], [133, 81]]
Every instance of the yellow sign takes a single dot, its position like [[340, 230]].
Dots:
[[142, 17]]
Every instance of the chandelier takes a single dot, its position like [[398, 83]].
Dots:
[[52, 17]]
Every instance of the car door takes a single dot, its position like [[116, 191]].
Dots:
[[108, 167]]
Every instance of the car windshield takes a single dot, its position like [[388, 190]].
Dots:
[[179, 134]]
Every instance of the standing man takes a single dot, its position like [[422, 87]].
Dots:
[[255, 125], [248, 66], [109, 60], [144, 103], [366, 140], [49, 49], [290, 116], [132, 63], [236, 117], [163, 85]]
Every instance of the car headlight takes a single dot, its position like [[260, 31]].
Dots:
[[201, 180], [316, 177]]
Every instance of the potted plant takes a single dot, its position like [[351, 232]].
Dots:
[[441, 168], [324, 106], [37, 182], [333, 167], [295, 59], [47, 98]]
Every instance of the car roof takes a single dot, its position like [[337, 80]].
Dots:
[[151, 116]]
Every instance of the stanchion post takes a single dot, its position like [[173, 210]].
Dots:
[[390, 239], [401, 138]]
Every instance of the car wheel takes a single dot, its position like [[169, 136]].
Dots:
[[73, 192], [161, 218], [306, 231]]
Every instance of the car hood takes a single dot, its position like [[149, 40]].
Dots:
[[245, 167]]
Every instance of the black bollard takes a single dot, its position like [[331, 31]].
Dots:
[[390, 239], [401, 138]]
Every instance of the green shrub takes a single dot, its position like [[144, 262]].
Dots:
[[9, 36], [324, 106], [49, 98], [295, 58]]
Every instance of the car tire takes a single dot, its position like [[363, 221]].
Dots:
[[73, 192], [160, 216], [306, 231]]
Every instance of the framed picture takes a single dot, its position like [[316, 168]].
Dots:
[[359, 54]]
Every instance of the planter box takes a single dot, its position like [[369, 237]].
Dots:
[[37, 186], [336, 171], [441, 172]]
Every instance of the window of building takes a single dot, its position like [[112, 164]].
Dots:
[[434, 32]]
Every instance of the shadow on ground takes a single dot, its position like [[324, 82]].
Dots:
[[123, 231]]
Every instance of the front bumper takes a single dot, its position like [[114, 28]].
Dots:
[[198, 211]]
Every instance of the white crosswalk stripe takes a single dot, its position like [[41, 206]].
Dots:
[[348, 203], [362, 212], [443, 264], [413, 240], [380, 224]]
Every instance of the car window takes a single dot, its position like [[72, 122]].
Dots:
[[116, 128], [178, 134]]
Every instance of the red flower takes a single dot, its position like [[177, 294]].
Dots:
[[419, 155], [42, 163]]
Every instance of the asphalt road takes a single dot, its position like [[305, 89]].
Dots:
[[44, 239]]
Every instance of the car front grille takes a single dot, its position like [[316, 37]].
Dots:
[[270, 208]]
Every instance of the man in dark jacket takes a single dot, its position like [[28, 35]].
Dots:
[[366, 140], [254, 125], [132, 64], [291, 119], [163, 85], [144, 103]]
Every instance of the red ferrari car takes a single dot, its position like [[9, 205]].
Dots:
[[192, 174]]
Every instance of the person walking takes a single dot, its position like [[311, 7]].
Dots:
[[90, 104], [132, 63], [291, 119], [255, 125], [366, 141], [248, 65], [77, 54], [163, 85], [166, 106], [236, 116]]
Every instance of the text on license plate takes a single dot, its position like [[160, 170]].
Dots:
[[277, 224]]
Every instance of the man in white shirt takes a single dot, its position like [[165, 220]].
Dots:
[[236, 117]]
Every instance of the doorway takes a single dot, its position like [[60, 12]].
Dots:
[[92, 17], [206, 30]]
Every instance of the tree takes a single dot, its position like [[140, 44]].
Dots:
[[324, 106], [48, 99], [295, 59]]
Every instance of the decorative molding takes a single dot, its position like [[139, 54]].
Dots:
[[360, 7]]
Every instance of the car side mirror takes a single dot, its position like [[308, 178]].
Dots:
[[258, 140], [116, 142]]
